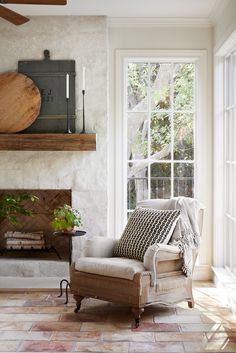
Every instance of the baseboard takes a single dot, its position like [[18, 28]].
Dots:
[[29, 282]]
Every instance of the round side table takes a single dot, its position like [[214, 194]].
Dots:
[[68, 235]]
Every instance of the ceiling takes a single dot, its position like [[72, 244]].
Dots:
[[127, 8]]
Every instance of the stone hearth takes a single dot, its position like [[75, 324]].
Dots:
[[26, 273]]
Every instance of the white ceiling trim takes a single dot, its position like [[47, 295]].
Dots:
[[150, 22]]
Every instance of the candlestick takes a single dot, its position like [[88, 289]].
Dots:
[[83, 130], [67, 86], [83, 85], [67, 115]]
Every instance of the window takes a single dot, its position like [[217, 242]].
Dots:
[[161, 135], [159, 112], [230, 161]]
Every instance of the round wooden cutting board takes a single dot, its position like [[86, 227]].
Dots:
[[20, 102]]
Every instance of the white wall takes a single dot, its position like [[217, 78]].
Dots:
[[225, 24], [165, 38], [83, 39]]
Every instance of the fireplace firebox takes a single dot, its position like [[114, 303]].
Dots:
[[38, 228]]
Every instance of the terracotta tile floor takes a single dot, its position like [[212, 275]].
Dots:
[[40, 322]]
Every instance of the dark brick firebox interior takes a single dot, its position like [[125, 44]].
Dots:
[[40, 221]]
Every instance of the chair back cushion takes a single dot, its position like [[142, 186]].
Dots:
[[145, 227]]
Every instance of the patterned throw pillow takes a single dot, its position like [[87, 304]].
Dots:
[[145, 227]]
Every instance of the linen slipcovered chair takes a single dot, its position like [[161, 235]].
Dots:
[[164, 276]]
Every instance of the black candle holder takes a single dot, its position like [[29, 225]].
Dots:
[[83, 130], [68, 117]]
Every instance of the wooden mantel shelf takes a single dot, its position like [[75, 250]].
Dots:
[[48, 142]]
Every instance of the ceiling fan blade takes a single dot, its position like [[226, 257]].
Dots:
[[35, 2], [12, 16]]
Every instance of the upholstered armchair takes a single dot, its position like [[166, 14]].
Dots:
[[159, 278]]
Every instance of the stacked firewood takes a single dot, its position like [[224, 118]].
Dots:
[[25, 241]]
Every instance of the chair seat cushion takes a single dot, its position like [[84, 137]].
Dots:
[[112, 266]]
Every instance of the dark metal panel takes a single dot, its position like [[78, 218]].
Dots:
[[50, 77]]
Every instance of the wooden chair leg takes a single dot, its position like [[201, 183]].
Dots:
[[190, 291], [78, 300], [191, 303], [137, 312]]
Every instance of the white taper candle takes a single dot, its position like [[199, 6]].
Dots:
[[83, 84], [67, 86]]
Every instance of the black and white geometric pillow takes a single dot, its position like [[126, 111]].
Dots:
[[145, 227]]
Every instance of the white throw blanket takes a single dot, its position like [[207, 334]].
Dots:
[[186, 234]]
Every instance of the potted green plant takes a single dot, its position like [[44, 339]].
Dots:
[[11, 206], [66, 219]]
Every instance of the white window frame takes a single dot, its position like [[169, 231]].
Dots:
[[229, 163], [203, 134], [220, 160]]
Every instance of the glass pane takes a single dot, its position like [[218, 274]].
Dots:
[[160, 86], [183, 137], [227, 135], [160, 136], [137, 185], [229, 142], [137, 87], [160, 180], [137, 136], [234, 133], [227, 188], [184, 179], [227, 241], [234, 77], [233, 191], [230, 186], [231, 82], [183, 86], [233, 250], [227, 81]]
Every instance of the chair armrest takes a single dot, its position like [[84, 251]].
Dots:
[[99, 247], [158, 253], [168, 252]]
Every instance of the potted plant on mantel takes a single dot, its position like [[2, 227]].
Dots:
[[66, 219], [11, 206]]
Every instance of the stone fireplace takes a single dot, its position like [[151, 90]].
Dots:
[[85, 40]]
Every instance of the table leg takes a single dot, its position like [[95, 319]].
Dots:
[[61, 291], [67, 286]]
